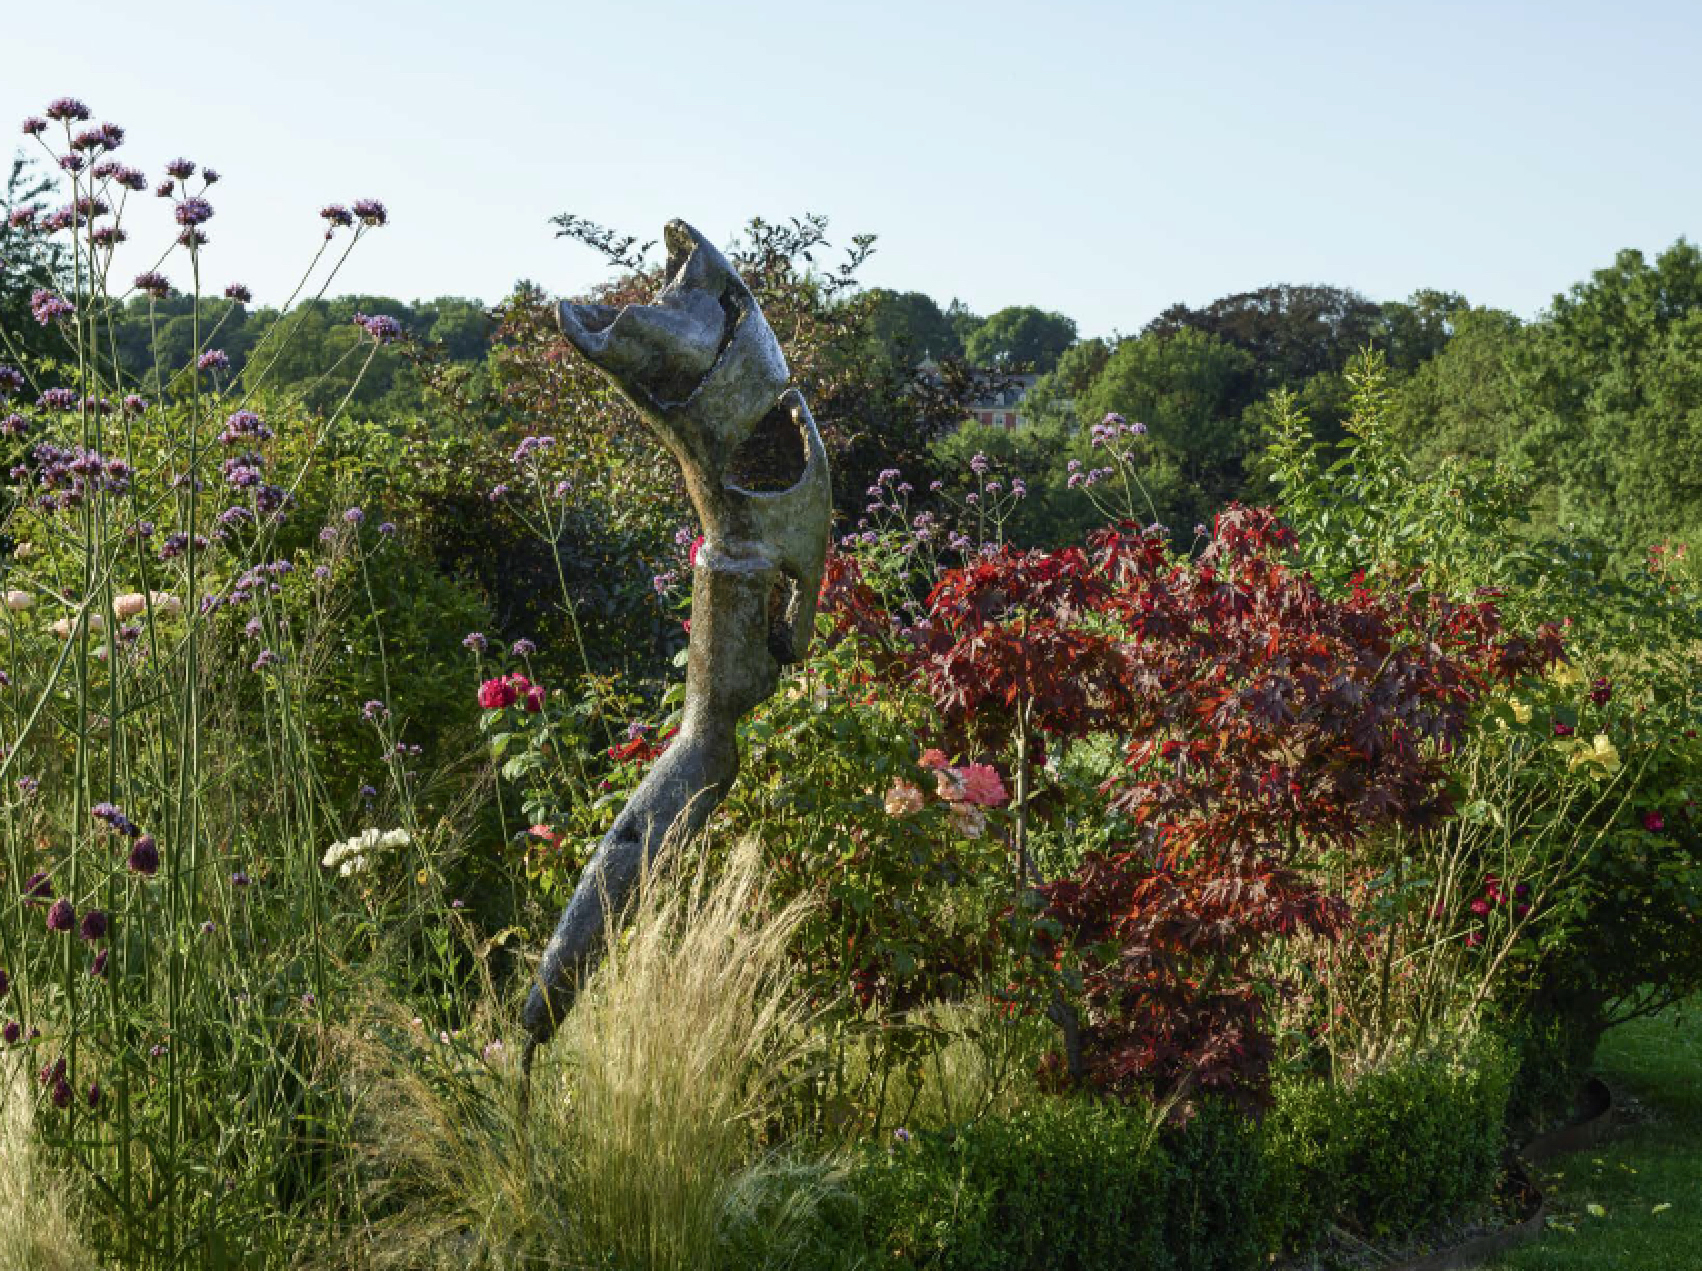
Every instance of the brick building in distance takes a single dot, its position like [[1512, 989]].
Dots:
[[1001, 406]]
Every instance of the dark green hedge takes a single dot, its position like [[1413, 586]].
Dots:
[[1076, 1185]]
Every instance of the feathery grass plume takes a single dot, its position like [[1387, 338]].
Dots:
[[36, 1228], [643, 1145]]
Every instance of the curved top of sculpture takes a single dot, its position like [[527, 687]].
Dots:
[[700, 363]]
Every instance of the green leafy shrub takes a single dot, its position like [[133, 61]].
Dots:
[[1410, 1144], [1066, 1185]]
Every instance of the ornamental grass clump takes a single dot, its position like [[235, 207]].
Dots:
[[644, 1143]]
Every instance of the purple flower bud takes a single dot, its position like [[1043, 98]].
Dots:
[[94, 925], [144, 856], [61, 917]]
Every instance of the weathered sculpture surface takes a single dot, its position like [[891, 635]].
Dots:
[[704, 369]]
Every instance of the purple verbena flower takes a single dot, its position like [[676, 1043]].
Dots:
[[523, 648], [371, 212], [67, 109], [144, 856], [182, 169], [239, 293], [61, 917], [154, 284], [45, 306]]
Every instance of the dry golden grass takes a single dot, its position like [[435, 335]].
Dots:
[[37, 1231]]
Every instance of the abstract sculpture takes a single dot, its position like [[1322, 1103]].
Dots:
[[704, 369]]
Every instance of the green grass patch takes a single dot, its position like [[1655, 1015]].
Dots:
[[1634, 1204]]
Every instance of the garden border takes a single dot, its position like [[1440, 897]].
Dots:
[[1598, 1107]]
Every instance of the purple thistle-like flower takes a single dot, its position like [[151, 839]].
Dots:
[[475, 641], [182, 169], [144, 856], [530, 446], [97, 968], [381, 327], [94, 1094], [60, 916], [498, 493], [46, 306], [154, 284], [28, 786], [129, 178], [14, 425], [213, 360], [67, 109], [192, 237], [523, 648], [37, 888], [100, 137], [34, 126], [371, 212], [134, 404], [194, 211], [239, 293], [114, 817], [337, 215], [94, 926], [11, 380], [240, 879], [62, 1094], [58, 399], [108, 236], [368, 792], [23, 217], [374, 710], [208, 927], [267, 658], [387, 528], [11, 1031], [321, 572], [244, 426], [72, 163], [354, 516]]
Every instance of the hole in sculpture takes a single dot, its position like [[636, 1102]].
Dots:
[[772, 458]]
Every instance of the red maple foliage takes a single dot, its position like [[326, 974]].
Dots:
[[1263, 723]]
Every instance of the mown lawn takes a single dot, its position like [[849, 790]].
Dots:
[[1634, 1203]]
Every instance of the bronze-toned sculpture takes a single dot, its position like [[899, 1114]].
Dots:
[[704, 369]]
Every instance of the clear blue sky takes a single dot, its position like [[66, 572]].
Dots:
[[1100, 158]]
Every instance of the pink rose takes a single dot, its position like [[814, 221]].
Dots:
[[981, 785]]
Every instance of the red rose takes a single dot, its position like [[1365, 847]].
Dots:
[[1654, 822], [495, 694]]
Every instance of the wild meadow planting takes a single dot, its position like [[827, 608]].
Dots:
[[1214, 822]]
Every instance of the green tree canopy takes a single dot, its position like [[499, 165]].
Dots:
[[1021, 336]]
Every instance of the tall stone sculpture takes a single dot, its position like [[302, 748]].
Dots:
[[704, 369]]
